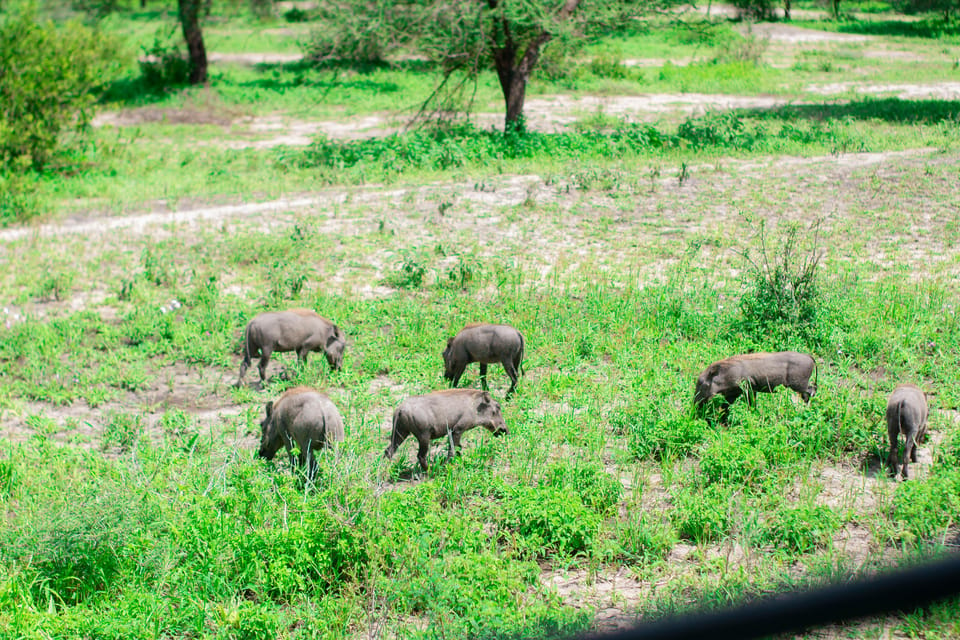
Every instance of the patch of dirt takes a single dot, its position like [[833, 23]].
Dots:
[[845, 488], [200, 392], [780, 32], [661, 210], [294, 133], [613, 594], [255, 58], [856, 544], [189, 114], [905, 91], [92, 300]]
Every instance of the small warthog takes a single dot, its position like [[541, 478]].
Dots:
[[304, 416], [444, 414], [755, 372], [486, 344], [300, 330], [906, 414]]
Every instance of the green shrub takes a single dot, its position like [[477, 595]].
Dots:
[[783, 300], [72, 541], [314, 554], [442, 148], [800, 529], [658, 431], [597, 488], [703, 516], [122, 430], [645, 539], [19, 198], [755, 9], [409, 274], [724, 129], [549, 520], [730, 457], [923, 509], [51, 76], [365, 34]]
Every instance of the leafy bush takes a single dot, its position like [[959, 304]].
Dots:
[[442, 148], [657, 431], [78, 540], [723, 129], [731, 458], [645, 539], [754, 9], [313, 553], [550, 520], [365, 33], [598, 489], [49, 83], [702, 516], [122, 430], [783, 297], [19, 201], [923, 509], [164, 64], [801, 529]]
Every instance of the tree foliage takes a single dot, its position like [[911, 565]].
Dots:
[[467, 37], [49, 78], [946, 8]]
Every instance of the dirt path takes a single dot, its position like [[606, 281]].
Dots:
[[507, 191]]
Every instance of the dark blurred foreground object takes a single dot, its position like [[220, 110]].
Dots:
[[897, 591]]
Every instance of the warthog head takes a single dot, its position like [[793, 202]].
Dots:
[[270, 441], [448, 363], [490, 417], [334, 348]]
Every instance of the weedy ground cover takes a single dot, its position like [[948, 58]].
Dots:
[[180, 530], [630, 255]]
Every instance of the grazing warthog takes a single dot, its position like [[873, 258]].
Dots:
[[304, 416], [444, 414], [486, 344], [300, 330], [906, 414], [755, 372]]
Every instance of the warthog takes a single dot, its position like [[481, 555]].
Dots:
[[300, 330], [442, 414], [755, 372], [486, 344], [304, 416], [906, 414]]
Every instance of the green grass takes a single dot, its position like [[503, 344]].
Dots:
[[134, 505], [180, 531]]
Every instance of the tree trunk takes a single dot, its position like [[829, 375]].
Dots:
[[514, 75], [786, 9], [190, 21], [836, 9]]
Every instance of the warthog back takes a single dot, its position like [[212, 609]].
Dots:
[[907, 413], [444, 414], [756, 372], [486, 344]]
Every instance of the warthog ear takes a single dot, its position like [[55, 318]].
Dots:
[[269, 408], [485, 401]]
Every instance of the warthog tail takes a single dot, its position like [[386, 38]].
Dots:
[[520, 364]]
